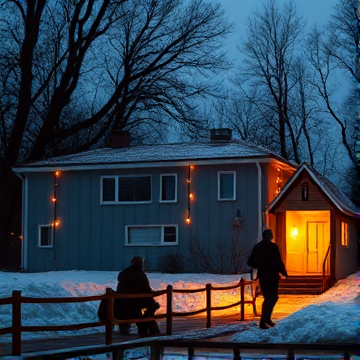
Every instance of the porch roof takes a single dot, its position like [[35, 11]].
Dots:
[[334, 194]]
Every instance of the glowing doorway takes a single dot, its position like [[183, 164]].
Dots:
[[307, 240]]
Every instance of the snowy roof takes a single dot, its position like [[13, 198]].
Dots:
[[334, 194], [153, 155]]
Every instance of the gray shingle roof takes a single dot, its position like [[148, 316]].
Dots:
[[180, 152]]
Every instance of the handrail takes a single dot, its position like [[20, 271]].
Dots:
[[17, 300], [344, 350], [323, 268]]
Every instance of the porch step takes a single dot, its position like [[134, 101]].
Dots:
[[306, 285]]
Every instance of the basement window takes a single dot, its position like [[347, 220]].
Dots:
[[151, 235], [45, 236], [344, 234]]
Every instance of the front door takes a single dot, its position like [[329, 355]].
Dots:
[[307, 240], [315, 242]]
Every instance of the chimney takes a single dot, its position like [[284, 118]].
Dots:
[[119, 139], [223, 134]]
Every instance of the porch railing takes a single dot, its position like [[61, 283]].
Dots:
[[17, 300], [326, 268]]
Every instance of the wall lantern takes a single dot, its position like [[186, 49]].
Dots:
[[237, 222], [294, 232], [305, 191]]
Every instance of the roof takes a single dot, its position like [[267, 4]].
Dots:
[[155, 155], [334, 194]]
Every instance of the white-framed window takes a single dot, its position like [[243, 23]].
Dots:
[[45, 236], [151, 235], [168, 188], [344, 234], [226, 185], [125, 189]]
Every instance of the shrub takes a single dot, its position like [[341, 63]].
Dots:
[[171, 263]]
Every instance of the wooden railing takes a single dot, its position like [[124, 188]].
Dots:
[[17, 300], [324, 268]]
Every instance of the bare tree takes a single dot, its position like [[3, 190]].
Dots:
[[73, 70], [269, 51], [333, 52]]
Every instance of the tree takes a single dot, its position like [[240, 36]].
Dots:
[[275, 103], [333, 51], [73, 70]]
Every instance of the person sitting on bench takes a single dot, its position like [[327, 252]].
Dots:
[[133, 280]]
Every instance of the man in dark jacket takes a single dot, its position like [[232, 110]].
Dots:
[[133, 280], [266, 258]]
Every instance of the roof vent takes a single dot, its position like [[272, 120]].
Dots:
[[119, 139], [220, 134]]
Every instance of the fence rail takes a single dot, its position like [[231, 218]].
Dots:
[[17, 300]]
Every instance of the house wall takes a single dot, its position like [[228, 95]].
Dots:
[[346, 257], [293, 199], [91, 236]]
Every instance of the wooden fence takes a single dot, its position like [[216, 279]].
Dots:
[[17, 300]]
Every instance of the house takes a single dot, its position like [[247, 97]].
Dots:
[[317, 228], [95, 210]]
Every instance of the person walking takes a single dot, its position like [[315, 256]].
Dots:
[[133, 280], [266, 258]]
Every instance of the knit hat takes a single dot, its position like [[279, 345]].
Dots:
[[267, 234], [137, 260]]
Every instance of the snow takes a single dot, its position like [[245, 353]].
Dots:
[[331, 317]]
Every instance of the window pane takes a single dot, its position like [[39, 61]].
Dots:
[[168, 187], [45, 235], [226, 186], [144, 235], [135, 188], [108, 189], [169, 234]]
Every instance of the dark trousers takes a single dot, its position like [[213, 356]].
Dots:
[[146, 327], [269, 290]]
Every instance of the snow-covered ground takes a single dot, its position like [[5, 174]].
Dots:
[[331, 317]]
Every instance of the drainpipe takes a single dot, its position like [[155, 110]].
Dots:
[[259, 202], [24, 221]]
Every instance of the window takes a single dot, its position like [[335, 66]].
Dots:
[[151, 235], [226, 185], [125, 189], [168, 188], [45, 236], [344, 234]]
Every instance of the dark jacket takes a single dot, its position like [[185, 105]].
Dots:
[[266, 257], [133, 280]]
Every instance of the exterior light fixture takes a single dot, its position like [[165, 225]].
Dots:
[[294, 232], [305, 191]]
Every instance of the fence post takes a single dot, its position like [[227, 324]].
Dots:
[[208, 305], [242, 299], [169, 295], [16, 323], [109, 316]]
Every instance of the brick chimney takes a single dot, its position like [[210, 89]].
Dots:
[[223, 134], [119, 139]]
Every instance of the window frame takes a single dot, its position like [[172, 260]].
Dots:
[[51, 237], [116, 201], [175, 175], [160, 243], [344, 234], [233, 172]]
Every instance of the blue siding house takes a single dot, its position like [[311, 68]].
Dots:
[[206, 202], [95, 210]]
